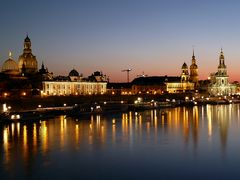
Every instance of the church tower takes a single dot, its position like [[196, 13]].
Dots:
[[185, 74], [27, 62], [220, 82], [222, 68], [194, 71]]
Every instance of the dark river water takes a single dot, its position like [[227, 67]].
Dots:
[[179, 143]]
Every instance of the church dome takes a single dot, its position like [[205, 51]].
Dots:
[[184, 66], [73, 73], [10, 66], [27, 62]]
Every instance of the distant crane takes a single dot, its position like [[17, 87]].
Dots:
[[127, 70]]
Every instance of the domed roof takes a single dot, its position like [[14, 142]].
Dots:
[[73, 73], [184, 66], [9, 65]]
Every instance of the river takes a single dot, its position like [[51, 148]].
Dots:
[[200, 142]]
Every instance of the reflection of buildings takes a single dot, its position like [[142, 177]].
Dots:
[[181, 125], [220, 80]]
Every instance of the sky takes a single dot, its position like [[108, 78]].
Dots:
[[151, 36]]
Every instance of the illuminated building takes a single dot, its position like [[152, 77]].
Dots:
[[194, 71], [27, 62], [74, 84], [220, 80], [10, 66], [182, 85]]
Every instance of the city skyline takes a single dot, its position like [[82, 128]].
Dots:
[[111, 36]]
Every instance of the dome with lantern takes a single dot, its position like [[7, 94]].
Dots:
[[10, 66], [27, 61]]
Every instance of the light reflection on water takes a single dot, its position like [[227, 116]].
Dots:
[[139, 144]]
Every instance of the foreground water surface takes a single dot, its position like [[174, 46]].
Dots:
[[184, 142]]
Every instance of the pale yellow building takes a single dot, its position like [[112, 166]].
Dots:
[[60, 88], [74, 84], [184, 85]]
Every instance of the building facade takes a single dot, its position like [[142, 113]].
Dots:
[[183, 85], [74, 84], [62, 88], [220, 80]]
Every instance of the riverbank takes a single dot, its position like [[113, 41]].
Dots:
[[31, 103]]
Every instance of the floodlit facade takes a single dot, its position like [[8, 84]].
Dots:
[[60, 88], [75, 84], [176, 87], [220, 80], [183, 85]]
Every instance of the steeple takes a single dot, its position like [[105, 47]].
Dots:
[[221, 60], [27, 45], [193, 58], [194, 71], [43, 65]]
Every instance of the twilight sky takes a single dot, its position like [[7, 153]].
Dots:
[[154, 36]]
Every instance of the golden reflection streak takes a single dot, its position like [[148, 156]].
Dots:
[[12, 128], [113, 130], [18, 129], [148, 128], [44, 131], [155, 121], [90, 135], [6, 145], [34, 137], [130, 124], [25, 147], [102, 133], [209, 118], [62, 135], [76, 134]]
